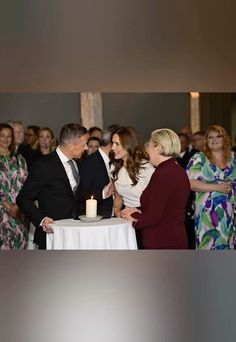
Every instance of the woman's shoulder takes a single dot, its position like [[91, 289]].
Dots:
[[197, 158], [146, 167], [145, 164]]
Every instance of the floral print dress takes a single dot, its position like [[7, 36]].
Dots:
[[214, 211], [13, 231]]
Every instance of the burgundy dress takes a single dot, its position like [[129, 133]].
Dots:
[[163, 202]]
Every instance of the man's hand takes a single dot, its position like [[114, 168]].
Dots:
[[108, 190], [47, 221]]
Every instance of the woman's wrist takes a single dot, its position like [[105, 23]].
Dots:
[[117, 212], [7, 205]]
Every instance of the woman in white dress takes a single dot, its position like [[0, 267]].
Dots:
[[132, 171]]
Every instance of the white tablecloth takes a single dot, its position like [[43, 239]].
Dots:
[[113, 233]]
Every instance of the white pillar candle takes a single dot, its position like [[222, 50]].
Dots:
[[91, 207]]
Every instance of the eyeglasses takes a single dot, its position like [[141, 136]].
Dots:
[[29, 134]]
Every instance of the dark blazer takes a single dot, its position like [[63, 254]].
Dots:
[[47, 183], [163, 208], [28, 153], [186, 157], [93, 178]]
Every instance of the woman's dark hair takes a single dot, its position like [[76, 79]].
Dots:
[[132, 143], [4, 125]]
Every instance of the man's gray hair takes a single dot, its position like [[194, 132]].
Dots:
[[71, 132], [107, 133]]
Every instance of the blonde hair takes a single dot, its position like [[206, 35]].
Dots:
[[168, 140], [53, 144], [12, 123], [226, 146]]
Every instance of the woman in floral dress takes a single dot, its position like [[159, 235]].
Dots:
[[212, 175], [13, 172]]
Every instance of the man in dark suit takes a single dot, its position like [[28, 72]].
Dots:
[[95, 177], [186, 153], [53, 183]]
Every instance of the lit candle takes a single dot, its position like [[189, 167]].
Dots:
[[91, 207]]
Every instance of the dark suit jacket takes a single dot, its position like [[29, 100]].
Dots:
[[186, 157], [47, 183], [28, 153], [163, 208], [93, 178]]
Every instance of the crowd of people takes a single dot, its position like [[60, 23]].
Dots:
[[178, 189]]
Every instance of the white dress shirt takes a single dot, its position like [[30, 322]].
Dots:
[[64, 159], [106, 160], [109, 168]]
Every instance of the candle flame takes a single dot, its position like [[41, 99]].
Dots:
[[91, 197]]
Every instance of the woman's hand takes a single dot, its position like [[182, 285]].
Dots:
[[200, 186], [117, 212], [118, 203], [224, 187], [14, 211], [127, 212], [108, 190]]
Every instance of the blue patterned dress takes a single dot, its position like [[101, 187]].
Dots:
[[214, 211]]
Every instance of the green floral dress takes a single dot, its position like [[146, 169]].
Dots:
[[214, 211], [13, 231]]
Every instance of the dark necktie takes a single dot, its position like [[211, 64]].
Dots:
[[75, 173]]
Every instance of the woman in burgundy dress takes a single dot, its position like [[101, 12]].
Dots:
[[161, 217]]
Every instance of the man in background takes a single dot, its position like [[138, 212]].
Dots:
[[185, 153], [31, 135], [198, 141], [95, 177]]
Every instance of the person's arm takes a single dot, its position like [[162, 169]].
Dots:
[[33, 185], [118, 203], [200, 186], [195, 173], [108, 190]]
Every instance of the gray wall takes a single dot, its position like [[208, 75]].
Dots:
[[144, 111], [52, 109], [147, 111]]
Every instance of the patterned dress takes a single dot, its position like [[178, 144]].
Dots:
[[13, 231], [214, 211]]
